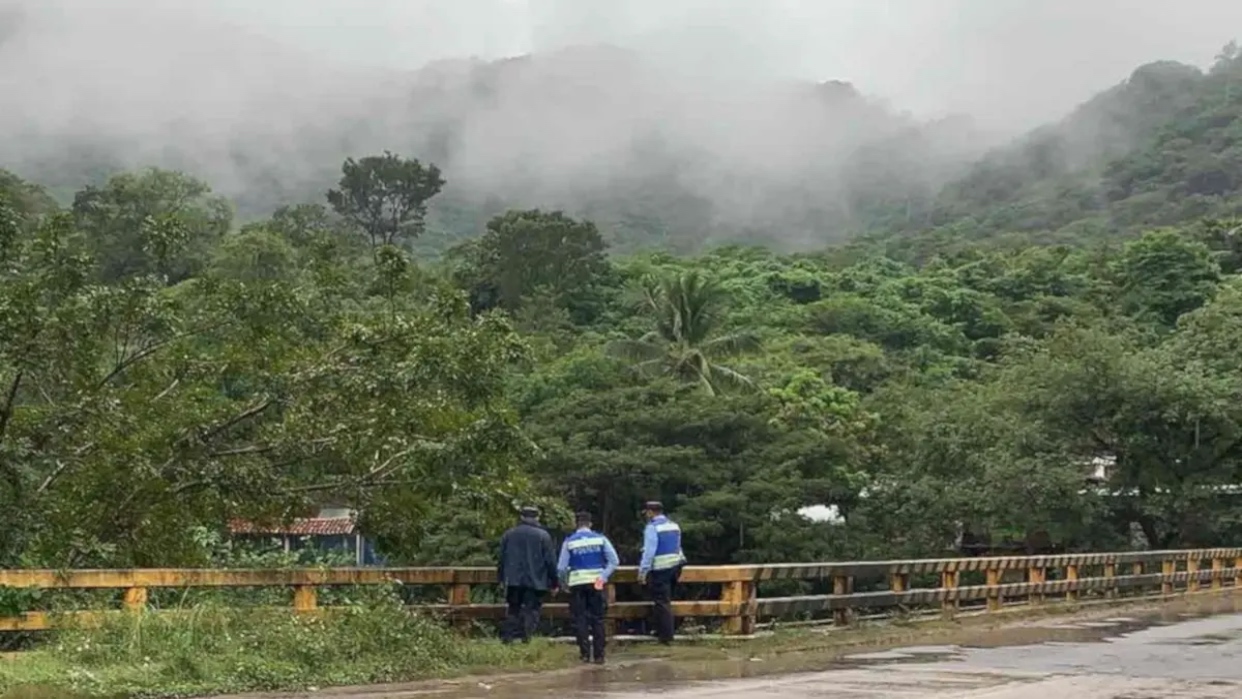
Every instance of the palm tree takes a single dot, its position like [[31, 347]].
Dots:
[[687, 308]]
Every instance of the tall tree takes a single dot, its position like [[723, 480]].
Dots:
[[132, 413], [386, 196], [687, 311], [129, 221], [525, 252], [1165, 274], [23, 198]]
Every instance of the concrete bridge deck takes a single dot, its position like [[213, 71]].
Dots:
[[1162, 654]]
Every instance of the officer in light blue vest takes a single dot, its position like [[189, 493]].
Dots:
[[587, 560], [661, 566]]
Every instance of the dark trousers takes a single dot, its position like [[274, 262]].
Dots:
[[660, 584], [524, 605], [588, 607]]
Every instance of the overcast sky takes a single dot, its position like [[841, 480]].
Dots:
[[1012, 61]]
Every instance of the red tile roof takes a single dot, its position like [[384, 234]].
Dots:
[[310, 526]]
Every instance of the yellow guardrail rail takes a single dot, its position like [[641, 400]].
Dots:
[[892, 585]]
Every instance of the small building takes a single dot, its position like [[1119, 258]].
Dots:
[[333, 529]]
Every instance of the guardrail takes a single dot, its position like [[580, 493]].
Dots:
[[937, 583]]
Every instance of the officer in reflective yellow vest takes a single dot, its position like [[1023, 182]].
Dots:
[[587, 560], [661, 566]]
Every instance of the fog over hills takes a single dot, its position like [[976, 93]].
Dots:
[[651, 141]]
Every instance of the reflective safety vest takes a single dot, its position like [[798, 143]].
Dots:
[[668, 544], [587, 559]]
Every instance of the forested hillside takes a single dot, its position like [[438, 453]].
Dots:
[[164, 371], [1162, 148], [567, 286]]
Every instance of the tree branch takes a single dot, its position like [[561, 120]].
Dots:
[[246, 414], [6, 413], [51, 478], [241, 451], [171, 387], [61, 467], [151, 349], [373, 478], [380, 470], [188, 486], [320, 487], [131, 360]]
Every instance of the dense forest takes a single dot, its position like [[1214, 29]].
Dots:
[[1070, 300]]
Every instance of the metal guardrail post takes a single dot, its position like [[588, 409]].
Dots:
[[736, 596], [305, 599], [135, 599], [459, 596], [1037, 575], [841, 587], [948, 583], [995, 601]]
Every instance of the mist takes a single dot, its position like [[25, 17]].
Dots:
[[733, 105]]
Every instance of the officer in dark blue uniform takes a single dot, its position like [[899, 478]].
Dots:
[[661, 566], [527, 569], [587, 560]]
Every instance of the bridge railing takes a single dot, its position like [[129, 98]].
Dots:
[[944, 584]]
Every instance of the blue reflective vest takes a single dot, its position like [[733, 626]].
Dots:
[[668, 544], [587, 559]]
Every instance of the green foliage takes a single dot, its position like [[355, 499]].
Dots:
[[24, 199], [155, 222], [526, 253], [687, 310], [133, 413], [297, 367], [724, 464], [1163, 276], [385, 196], [208, 649]]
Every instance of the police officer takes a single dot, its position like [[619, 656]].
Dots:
[[661, 566], [527, 569], [587, 560]]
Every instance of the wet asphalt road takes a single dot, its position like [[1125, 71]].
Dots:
[[1163, 655], [1118, 658]]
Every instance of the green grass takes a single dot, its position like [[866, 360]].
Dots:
[[210, 650]]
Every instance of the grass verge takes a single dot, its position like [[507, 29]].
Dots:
[[214, 650]]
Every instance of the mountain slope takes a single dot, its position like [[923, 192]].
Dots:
[[658, 158], [661, 158], [1163, 147]]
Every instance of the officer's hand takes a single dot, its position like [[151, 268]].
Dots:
[[642, 579]]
